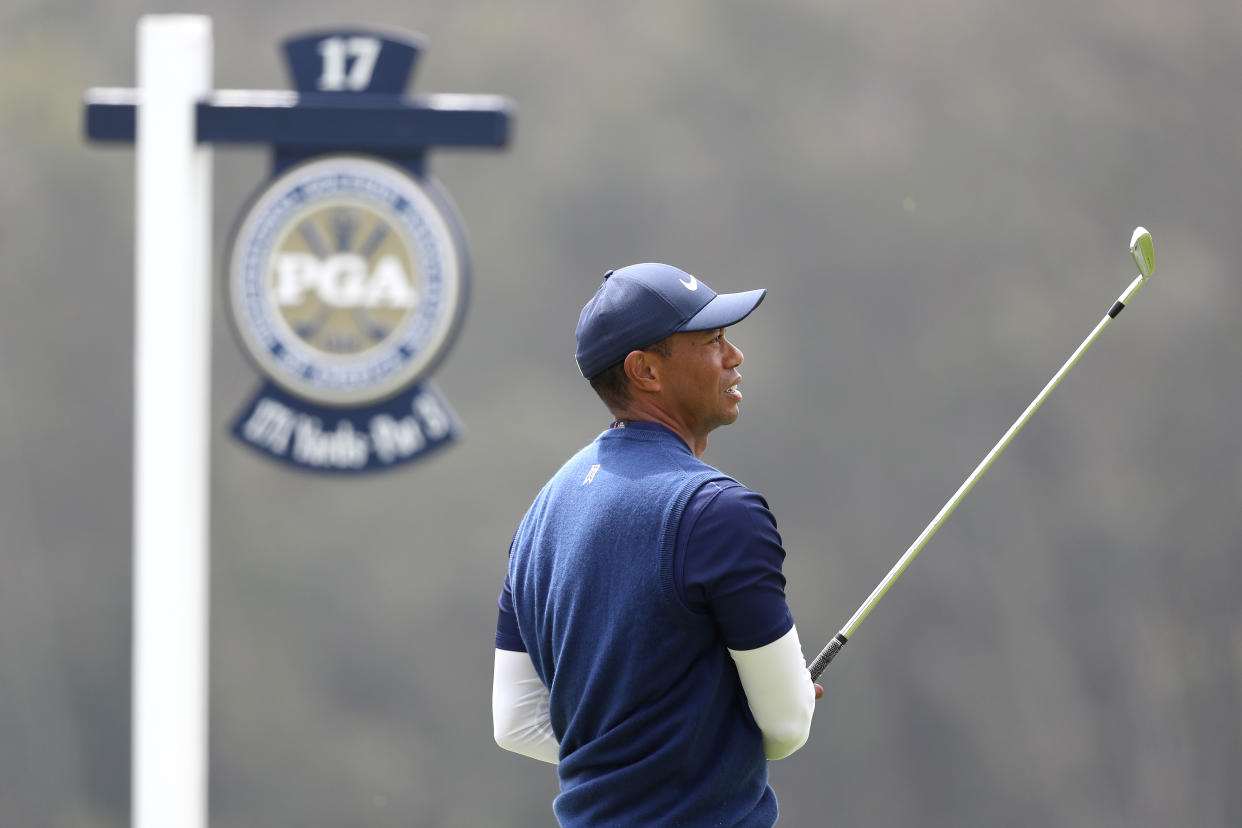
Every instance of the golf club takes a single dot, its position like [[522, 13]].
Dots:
[[1144, 258]]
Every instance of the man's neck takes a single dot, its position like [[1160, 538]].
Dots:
[[651, 414]]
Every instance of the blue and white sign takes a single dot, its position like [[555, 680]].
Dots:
[[345, 283], [348, 275]]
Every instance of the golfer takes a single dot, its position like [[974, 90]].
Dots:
[[644, 643]]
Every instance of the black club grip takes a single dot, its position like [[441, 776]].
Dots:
[[826, 655]]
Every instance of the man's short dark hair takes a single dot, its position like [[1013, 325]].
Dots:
[[613, 386]]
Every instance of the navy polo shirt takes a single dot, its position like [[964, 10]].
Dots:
[[726, 562]]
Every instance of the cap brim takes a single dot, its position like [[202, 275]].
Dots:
[[725, 310]]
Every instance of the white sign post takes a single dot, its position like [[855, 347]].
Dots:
[[172, 350]]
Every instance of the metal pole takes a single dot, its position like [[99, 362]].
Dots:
[[1144, 258]]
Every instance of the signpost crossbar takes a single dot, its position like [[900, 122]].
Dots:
[[299, 120]]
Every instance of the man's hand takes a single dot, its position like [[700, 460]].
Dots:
[[819, 692]]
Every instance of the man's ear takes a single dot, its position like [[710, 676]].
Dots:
[[642, 370]]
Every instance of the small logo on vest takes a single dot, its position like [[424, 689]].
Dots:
[[591, 474]]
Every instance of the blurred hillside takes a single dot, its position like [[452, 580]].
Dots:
[[939, 199]]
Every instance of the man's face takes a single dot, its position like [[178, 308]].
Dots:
[[699, 380]]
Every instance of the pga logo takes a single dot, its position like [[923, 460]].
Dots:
[[343, 280], [346, 282]]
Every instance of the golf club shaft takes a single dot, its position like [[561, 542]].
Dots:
[[829, 652]]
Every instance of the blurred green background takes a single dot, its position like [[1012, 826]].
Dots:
[[939, 198]]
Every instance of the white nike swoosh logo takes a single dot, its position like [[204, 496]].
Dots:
[[693, 284]]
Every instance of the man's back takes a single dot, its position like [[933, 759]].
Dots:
[[653, 724]]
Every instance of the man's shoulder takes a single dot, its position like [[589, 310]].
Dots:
[[725, 492]]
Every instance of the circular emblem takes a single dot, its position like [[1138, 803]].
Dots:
[[346, 280]]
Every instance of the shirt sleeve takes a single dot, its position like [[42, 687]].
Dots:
[[727, 561], [521, 721], [779, 691], [507, 635]]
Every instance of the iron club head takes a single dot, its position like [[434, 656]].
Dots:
[[1141, 250]]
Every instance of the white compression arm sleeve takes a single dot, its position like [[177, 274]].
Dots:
[[779, 691], [520, 718]]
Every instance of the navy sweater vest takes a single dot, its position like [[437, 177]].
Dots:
[[646, 702]]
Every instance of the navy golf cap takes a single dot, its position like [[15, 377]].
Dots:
[[639, 305]]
